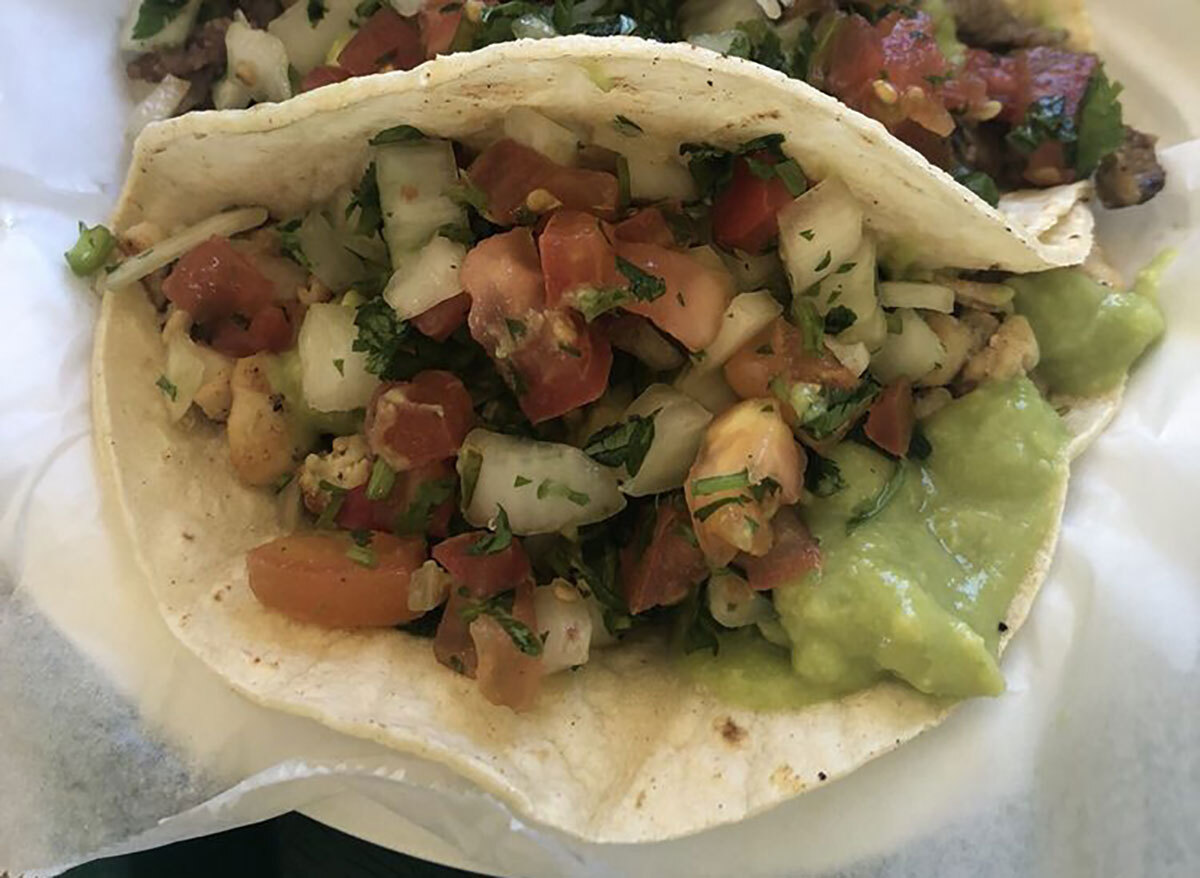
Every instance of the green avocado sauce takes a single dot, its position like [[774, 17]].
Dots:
[[917, 592], [1089, 335]]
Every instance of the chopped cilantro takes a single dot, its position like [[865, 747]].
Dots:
[[340, 365], [497, 541], [366, 199], [808, 234], [154, 15], [825, 260], [398, 134], [594, 302], [705, 512], [1101, 127], [523, 637], [521, 482], [838, 319], [1046, 119], [694, 627], [555, 488], [470, 462], [316, 11], [380, 335], [627, 126], [289, 242], [845, 268], [361, 552], [467, 193], [834, 407], [383, 479], [822, 476], [717, 484], [169, 389], [624, 194], [644, 287], [623, 444], [712, 167], [870, 508], [429, 496], [980, 183], [808, 321]]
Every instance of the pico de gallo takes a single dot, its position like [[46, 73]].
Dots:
[[532, 396], [998, 101]]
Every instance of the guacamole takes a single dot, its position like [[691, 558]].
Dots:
[[1089, 335], [919, 591]]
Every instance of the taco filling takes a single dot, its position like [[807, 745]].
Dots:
[[553, 388], [998, 94]]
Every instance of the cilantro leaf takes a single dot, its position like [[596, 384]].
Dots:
[[414, 520], [316, 11], [154, 15], [834, 407], [1101, 127], [822, 476], [623, 444], [717, 484], [398, 134], [555, 488], [1046, 119], [838, 319], [642, 286], [366, 199], [289, 242], [980, 183], [497, 541], [381, 334], [871, 507], [523, 637]]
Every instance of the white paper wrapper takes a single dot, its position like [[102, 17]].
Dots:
[[113, 738]]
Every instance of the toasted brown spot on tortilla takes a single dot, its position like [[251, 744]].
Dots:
[[786, 779], [731, 731], [641, 799]]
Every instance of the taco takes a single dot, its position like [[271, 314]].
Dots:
[[644, 438], [1002, 94]]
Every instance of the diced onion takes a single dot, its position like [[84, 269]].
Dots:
[[512, 471], [428, 586], [333, 264], [710, 389], [256, 67], [902, 294], [909, 353], [407, 8], [307, 42], [734, 604], [556, 142], [853, 356], [414, 181], [426, 278], [984, 296], [161, 103], [185, 371], [638, 336], [819, 232], [679, 427], [656, 173], [565, 625], [333, 375], [168, 250], [851, 285], [752, 271], [747, 316]]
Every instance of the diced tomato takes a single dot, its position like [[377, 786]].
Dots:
[[410, 423], [1047, 165], [385, 41], [891, 419], [452, 644], [984, 77], [562, 365], [359, 512], [508, 172], [311, 578], [576, 255], [647, 226], [269, 330], [439, 23], [696, 297], [745, 212], [326, 74], [748, 444], [901, 53], [1045, 72], [662, 573], [504, 279], [553, 361], [778, 352], [440, 321], [794, 552], [213, 281], [506, 675], [483, 575]]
